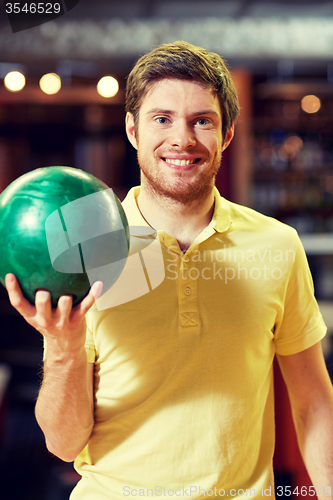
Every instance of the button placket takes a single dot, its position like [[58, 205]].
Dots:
[[188, 304]]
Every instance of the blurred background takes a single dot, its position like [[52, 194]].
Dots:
[[55, 110]]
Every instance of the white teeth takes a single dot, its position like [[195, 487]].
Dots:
[[180, 163]]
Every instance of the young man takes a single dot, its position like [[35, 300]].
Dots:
[[171, 394]]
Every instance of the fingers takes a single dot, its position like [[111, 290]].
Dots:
[[42, 316], [43, 303], [96, 289], [65, 303], [87, 302], [16, 297]]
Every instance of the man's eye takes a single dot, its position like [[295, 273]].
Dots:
[[162, 120], [202, 121]]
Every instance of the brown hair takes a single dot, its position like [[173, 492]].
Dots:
[[184, 61]]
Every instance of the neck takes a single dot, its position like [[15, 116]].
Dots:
[[183, 221]]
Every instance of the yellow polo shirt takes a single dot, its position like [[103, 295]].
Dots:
[[184, 402]]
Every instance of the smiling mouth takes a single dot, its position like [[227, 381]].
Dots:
[[180, 163]]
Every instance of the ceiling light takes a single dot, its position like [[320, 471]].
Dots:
[[107, 86], [310, 104], [14, 81], [50, 83]]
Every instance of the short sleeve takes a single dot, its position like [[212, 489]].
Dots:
[[301, 324]]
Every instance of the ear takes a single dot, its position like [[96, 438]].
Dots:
[[130, 130], [228, 137]]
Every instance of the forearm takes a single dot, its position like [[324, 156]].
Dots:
[[311, 397], [65, 405], [315, 438], [64, 408]]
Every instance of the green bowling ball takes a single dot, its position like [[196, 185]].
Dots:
[[61, 229]]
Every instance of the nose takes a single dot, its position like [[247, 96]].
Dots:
[[182, 135]]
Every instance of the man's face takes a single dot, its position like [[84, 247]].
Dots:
[[179, 139]]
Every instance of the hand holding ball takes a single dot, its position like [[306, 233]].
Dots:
[[61, 229]]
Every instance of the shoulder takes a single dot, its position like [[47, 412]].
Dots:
[[247, 219]]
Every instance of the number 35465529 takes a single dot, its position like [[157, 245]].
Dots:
[[32, 8]]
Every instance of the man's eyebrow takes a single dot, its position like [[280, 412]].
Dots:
[[161, 111], [171, 112], [206, 112]]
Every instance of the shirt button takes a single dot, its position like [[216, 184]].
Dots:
[[187, 291]]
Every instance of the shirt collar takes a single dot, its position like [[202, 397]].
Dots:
[[139, 229], [221, 220]]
